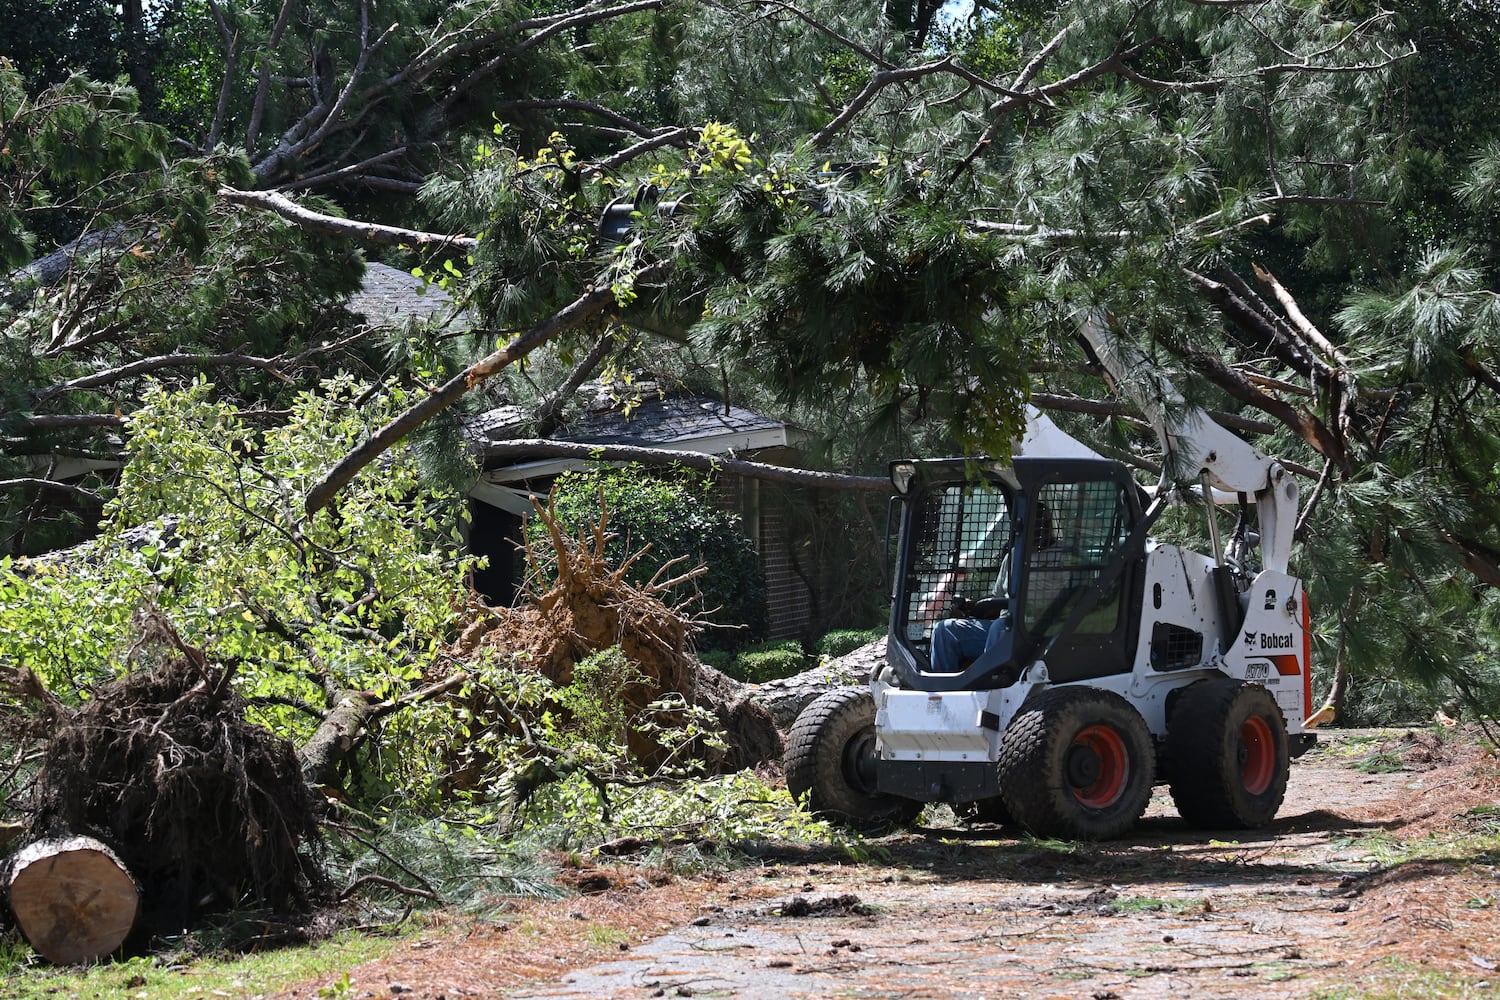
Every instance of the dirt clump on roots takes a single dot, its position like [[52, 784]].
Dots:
[[206, 810], [591, 606]]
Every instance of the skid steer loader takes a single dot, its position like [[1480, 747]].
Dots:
[[1110, 661]]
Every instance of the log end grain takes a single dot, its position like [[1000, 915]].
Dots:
[[73, 899]]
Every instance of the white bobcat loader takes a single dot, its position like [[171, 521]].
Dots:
[[1118, 661]]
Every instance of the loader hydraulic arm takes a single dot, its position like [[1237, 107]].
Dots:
[[1196, 446]]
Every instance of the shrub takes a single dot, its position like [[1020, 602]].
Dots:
[[846, 640], [769, 661], [678, 519], [721, 660]]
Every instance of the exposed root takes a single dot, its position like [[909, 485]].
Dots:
[[206, 810], [591, 606]]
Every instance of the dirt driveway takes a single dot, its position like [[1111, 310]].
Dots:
[[1368, 885]]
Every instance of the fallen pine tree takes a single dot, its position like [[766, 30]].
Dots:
[[587, 606]]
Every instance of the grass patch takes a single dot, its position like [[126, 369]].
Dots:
[[237, 978], [1482, 820], [1152, 904], [1055, 845], [1379, 762], [1393, 978]]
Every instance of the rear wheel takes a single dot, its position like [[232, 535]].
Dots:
[[831, 759], [1227, 754], [1077, 762]]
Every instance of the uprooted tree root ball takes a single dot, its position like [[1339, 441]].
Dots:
[[592, 606], [207, 810]]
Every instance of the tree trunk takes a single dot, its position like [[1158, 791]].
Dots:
[[72, 898], [338, 734], [787, 697]]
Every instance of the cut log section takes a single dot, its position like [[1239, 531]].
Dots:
[[72, 898]]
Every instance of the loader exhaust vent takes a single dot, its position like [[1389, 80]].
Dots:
[[1174, 647]]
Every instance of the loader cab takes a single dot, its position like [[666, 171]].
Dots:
[[1035, 539]]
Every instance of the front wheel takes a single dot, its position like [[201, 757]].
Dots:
[[1227, 754], [831, 761], [1078, 763]]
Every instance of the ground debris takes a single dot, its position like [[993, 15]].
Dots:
[[823, 906]]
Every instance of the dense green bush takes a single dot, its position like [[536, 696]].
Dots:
[[768, 661], [721, 660], [677, 518], [846, 640]]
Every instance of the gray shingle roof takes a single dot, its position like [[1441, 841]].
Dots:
[[663, 420], [389, 296], [657, 420]]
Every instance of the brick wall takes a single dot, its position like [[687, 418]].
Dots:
[[763, 518], [789, 609]]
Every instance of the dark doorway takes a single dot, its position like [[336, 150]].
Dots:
[[496, 533]]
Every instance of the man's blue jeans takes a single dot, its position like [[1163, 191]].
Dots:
[[956, 641]]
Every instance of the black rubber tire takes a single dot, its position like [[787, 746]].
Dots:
[[830, 757], [1227, 755], [1077, 763]]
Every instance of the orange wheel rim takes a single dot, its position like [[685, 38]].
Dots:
[[1257, 755], [1097, 766]]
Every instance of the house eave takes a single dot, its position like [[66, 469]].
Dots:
[[714, 444]]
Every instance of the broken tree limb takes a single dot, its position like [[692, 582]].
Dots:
[[346, 724], [594, 300], [332, 225], [544, 448], [1300, 322], [336, 736], [72, 898]]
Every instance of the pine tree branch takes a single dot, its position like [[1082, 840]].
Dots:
[[878, 81], [629, 125], [67, 421], [263, 81], [594, 300], [145, 366], [226, 84], [853, 45], [671, 137], [1477, 559], [78, 492], [545, 28], [1306, 426], [1117, 408], [369, 232], [548, 414], [352, 171]]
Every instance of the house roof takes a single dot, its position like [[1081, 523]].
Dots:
[[683, 422], [666, 419], [389, 296]]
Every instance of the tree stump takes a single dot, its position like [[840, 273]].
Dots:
[[72, 898]]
